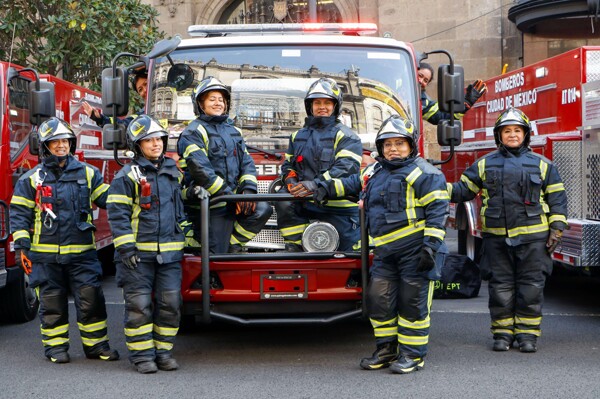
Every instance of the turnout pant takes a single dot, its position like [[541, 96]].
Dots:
[[152, 294], [53, 282], [399, 302], [516, 286]]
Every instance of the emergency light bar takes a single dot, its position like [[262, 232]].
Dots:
[[356, 29]]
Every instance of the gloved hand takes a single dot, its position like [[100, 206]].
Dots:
[[554, 238], [427, 261], [320, 196], [245, 207], [130, 258], [303, 188], [197, 192], [474, 91], [22, 258], [291, 179]]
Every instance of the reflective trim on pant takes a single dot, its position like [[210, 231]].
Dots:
[[516, 287], [246, 227], [91, 319]]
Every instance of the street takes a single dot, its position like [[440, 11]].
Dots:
[[315, 361]]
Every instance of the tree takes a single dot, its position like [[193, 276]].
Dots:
[[75, 39]]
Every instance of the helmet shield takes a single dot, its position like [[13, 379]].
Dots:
[[512, 116], [206, 85], [397, 126], [324, 88]]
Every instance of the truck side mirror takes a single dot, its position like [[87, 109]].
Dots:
[[180, 77], [114, 138], [115, 92], [41, 102], [448, 134], [34, 141], [451, 88]]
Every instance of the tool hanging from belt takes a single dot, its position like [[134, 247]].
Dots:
[[145, 188], [43, 195]]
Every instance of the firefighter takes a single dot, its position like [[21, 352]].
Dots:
[[406, 203], [322, 150], [51, 223], [523, 215], [147, 221], [214, 153], [430, 108]]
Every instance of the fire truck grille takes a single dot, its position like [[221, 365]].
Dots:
[[269, 237], [567, 158]]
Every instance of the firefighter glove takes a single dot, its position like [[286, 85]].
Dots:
[[554, 238], [320, 196], [197, 192], [130, 258], [303, 188], [290, 180], [22, 256], [427, 261], [474, 91], [245, 207]]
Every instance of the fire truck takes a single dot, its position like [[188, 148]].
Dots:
[[28, 98], [561, 97], [268, 68]]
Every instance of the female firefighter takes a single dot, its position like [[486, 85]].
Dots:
[[145, 211], [323, 149], [523, 215], [406, 202], [214, 153], [51, 223]]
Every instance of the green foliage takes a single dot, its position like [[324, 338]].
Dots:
[[75, 39]]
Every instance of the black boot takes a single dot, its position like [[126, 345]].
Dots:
[[385, 354], [166, 363], [59, 357], [235, 249], [405, 365], [527, 343], [146, 367], [502, 342], [104, 354]]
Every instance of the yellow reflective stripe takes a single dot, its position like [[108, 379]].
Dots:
[[124, 239], [250, 178], [400, 233], [413, 339], [190, 149], [216, 186], [536, 228], [288, 157], [433, 232], [51, 332], [92, 327], [93, 341], [503, 322], [242, 231], [499, 231], [481, 169], [341, 204], [432, 111], [55, 341], [449, 189], [119, 199], [348, 154], [163, 345], [554, 188], [164, 246], [327, 176], [182, 163], [434, 195], [20, 234], [18, 200], [63, 249], [340, 191], [101, 189], [418, 324], [385, 331], [338, 137], [141, 330], [413, 176], [530, 321], [298, 229], [552, 219], [543, 169], [166, 331], [140, 346], [469, 184], [502, 331], [537, 333], [377, 323]]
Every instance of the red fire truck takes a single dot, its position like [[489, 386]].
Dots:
[[561, 97], [28, 98], [269, 68]]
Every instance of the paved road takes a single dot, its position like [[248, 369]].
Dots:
[[226, 361]]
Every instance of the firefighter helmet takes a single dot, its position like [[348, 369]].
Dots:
[[54, 129], [512, 116], [324, 88], [397, 126], [145, 127], [209, 84]]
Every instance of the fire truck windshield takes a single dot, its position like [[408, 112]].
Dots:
[[268, 84]]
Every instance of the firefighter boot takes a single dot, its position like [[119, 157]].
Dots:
[[502, 342], [527, 343], [235, 249], [59, 357], [166, 363], [146, 367], [405, 365], [105, 354], [385, 354]]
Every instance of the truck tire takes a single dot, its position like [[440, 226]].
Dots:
[[18, 301], [469, 245]]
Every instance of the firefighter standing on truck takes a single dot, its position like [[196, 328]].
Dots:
[[145, 211], [51, 223], [406, 205], [214, 153], [523, 216], [322, 150]]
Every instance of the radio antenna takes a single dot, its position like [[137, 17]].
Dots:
[[12, 43]]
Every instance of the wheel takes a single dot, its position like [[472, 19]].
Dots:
[[18, 301], [469, 245]]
